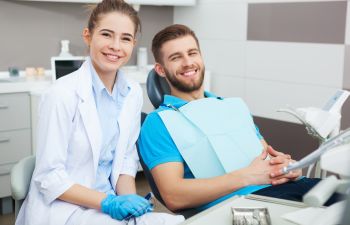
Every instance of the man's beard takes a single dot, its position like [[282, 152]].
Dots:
[[184, 87]]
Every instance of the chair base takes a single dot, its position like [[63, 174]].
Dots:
[[6, 205]]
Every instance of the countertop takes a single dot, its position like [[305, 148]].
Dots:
[[22, 84], [35, 85]]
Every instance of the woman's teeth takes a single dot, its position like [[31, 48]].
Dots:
[[112, 57]]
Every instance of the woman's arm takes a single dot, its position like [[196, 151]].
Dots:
[[83, 196], [126, 185]]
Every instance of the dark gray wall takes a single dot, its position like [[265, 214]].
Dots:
[[287, 137], [346, 80], [346, 86], [31, 31], [316, 22], [345, 121]]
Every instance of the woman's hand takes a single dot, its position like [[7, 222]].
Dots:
[[120, 207]]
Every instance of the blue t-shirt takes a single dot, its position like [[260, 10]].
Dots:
[[157, 146]]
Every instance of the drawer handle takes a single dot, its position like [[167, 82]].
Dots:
[[4, 140], [2, 173], [3, 106]]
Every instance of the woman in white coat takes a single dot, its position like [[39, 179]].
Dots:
[[89, 122]]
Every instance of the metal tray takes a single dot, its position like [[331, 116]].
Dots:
[[250, 216]]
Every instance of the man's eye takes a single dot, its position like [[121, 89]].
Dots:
[[193, 53], [174, 58]]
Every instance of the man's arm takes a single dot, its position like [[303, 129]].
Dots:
[[179, 193], [163, 158], [264, 144]]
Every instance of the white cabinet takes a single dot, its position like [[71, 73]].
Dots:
[[15, 135], [136, 2]]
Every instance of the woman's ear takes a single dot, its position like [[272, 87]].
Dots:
[[87, 36], [159, 69]]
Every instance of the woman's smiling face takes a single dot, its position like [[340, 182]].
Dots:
[[111, 42]]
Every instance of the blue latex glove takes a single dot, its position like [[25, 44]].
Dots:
[[120, 207]]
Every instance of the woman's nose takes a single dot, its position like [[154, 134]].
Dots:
[[115, 44]]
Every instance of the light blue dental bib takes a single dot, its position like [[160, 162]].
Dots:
[[214, 136]]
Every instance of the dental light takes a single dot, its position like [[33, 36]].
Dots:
[[321, 123]]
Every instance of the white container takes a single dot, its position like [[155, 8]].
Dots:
[[65, 49], [142, 58]]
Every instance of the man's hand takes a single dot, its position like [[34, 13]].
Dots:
[[281, 160], [258, 172]]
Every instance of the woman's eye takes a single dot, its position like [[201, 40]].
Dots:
[[106, 34], [127, 39]]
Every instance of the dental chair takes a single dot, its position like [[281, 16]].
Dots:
[[157, 87], [21, 175]]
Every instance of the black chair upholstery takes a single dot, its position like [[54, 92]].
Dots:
[[157, 87]]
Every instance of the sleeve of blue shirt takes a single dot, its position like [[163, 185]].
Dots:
[[157, 146], [155, 143]]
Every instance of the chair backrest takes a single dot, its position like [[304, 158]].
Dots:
[[21, 175], [157, 87]]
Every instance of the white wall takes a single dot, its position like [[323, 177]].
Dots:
[[268, 75], [348, 24]]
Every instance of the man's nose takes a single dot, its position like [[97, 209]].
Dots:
[[187, 61]]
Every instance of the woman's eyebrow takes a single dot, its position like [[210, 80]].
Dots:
[[111, 31], [108, 30], [128, 34]]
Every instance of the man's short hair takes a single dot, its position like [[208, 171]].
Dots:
[[167, 34]]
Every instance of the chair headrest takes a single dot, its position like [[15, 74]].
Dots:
[[157, 87]]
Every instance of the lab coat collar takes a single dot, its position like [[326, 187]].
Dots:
[[84, 89], [88, 111], [97, 84]]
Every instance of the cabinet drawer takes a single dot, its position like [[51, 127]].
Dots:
[[14, 111], [5, 186], [14, 145]]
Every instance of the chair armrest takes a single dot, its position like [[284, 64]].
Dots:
[[21, 175]]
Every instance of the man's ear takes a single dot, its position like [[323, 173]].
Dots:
[[159, 69], [87, 36]]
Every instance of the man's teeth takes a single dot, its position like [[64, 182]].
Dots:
[[189, 73]]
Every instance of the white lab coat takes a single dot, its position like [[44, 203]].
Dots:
[[69, 142]]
